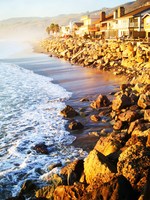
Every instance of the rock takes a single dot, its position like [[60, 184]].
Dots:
[[101, 101], [69, 112], [74, 125], [72, 172], [95, 118], [128, 116], [54, 165], [144, 101], [134, 108], [117, 125], [139, 87], [125, 86], [134, 99], [120, 102], [41, 148], [53, 179], [74, 192], [117, 188], [134, 125], [45, 192], [94, 134], [141, 133], [28, 189], [133, 164], [147, 115], [96, 163], [140, 140], [48, 191], [108, 145], [146, 88]]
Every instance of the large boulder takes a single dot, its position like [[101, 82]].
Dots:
[[115, 188], [108, 145], [134, 163], [69, 112], [120, 102], [128, 116], [101, 101], [74, 125], [41, 148], [96, 163]]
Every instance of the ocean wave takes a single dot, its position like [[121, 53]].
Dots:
[[30, 107]]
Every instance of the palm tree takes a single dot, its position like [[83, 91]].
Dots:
[[56, 28], [52, 26], [48, 30]]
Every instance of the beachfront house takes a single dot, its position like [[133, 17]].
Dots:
[[122, 24], [146, 19], [76, 28], [89, 24], [65, 30], [131, 24], [104, 25]]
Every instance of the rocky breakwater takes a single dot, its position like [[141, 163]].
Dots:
[[122, 58]]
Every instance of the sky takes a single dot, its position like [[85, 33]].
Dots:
[[49, 8]]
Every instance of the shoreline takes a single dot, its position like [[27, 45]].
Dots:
[[118, 164], [87, 137]]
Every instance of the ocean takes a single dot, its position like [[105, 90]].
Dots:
[[34, 88], [30, 105]]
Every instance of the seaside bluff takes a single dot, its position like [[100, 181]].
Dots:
[[118, 167]]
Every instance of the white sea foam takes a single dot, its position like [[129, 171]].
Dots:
[[29, 114]]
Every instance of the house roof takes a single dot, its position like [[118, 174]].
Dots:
[[147, 14], [108, 18], [78, 24], [136, 11]]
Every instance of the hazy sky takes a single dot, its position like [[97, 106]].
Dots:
[[49, 8]]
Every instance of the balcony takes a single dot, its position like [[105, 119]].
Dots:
[[133, 25], [103, 28], [93, 28]]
